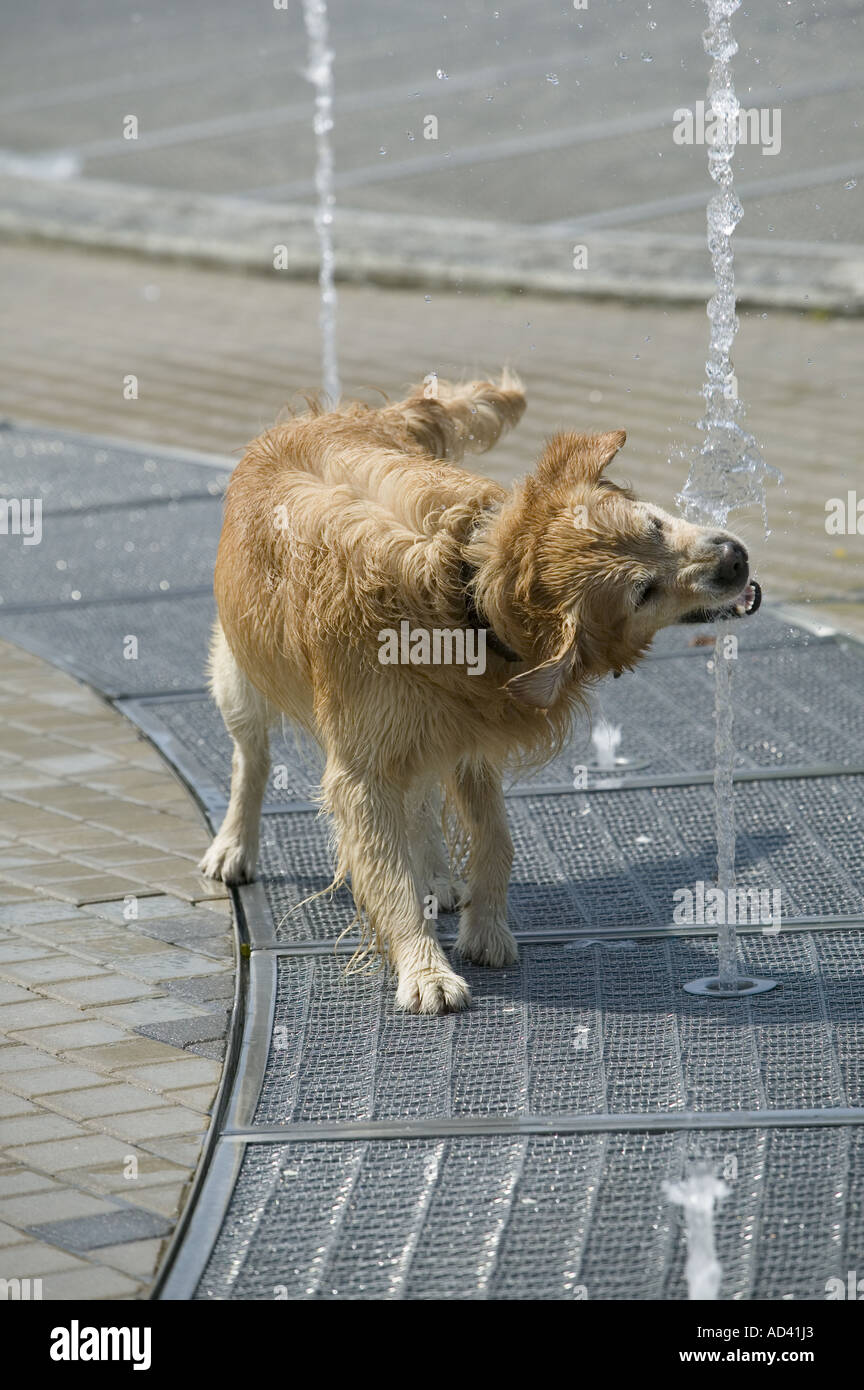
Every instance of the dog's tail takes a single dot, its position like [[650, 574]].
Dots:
[[455, 419]]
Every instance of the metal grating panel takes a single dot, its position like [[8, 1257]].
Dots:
[[664, 710], [794, 707], [173, 637], [543, 1217], [617, 861], [582, 1029], [130, 550], [70, 472]]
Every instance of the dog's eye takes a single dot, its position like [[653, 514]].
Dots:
[[645, 592]]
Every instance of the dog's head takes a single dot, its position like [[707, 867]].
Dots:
[[599, 573]]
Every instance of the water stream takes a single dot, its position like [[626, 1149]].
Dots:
[[727, 472], [320, 74], [697, 1195]]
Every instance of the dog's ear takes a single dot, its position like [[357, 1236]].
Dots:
[[542, 685], [577, 457]]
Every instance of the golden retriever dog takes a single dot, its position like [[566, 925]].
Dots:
[[352, 535]]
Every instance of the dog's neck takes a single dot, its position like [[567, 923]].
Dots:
[[474, 617], [503, 579]]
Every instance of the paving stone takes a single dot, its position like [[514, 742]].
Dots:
[[198, 1098], [168, 1198], [100, 888], [63, 1036], [196, 889], [15, 1057], [35, 1013], [9, 1236], [197, 922], [154, 1122], [43, 1081], [113, 1098], [170, 1076], [91, 1282], [207, 1028], [131, 1052], [51, 1206], [167, 965], [61, 1154], [214, 1050], [47, 873], [34, 1129], [70, 764], [127, 1182], [12, 1104], [106, 989], [20, 1180], [159, 905], [12, 951], [155, 1010], [88, 1233], [21, 914], [205, 989], [138, 1258], [34, 1259], [12, 994], [48, 969]]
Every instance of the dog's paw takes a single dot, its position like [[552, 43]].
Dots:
[[451, 894], [229, 861], [486, 943], [432, 990]]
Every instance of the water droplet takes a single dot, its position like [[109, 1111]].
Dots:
[[553, 78], [442, 75], [428, 298], [853, 183], [647, 57], [382, 150]]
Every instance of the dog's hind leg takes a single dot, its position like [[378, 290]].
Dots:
[[233, 853], [374, 849], [484, 936], [431, 859]]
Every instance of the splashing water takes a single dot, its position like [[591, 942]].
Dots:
[[606, 739], [728, 470], [320, 74], [697, 1195]]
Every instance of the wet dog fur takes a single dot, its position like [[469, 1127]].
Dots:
[[342, 523]]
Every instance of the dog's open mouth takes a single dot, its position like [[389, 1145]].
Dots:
[[744, 606]]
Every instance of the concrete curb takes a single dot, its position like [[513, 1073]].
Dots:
[[430, 252]]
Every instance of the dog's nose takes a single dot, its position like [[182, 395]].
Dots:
[[731, 562]]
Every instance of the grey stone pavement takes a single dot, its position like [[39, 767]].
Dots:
[[116, 979]]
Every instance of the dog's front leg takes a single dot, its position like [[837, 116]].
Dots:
[[374, 850], [484, 935]]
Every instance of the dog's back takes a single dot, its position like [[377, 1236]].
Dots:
[[342, 523]]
